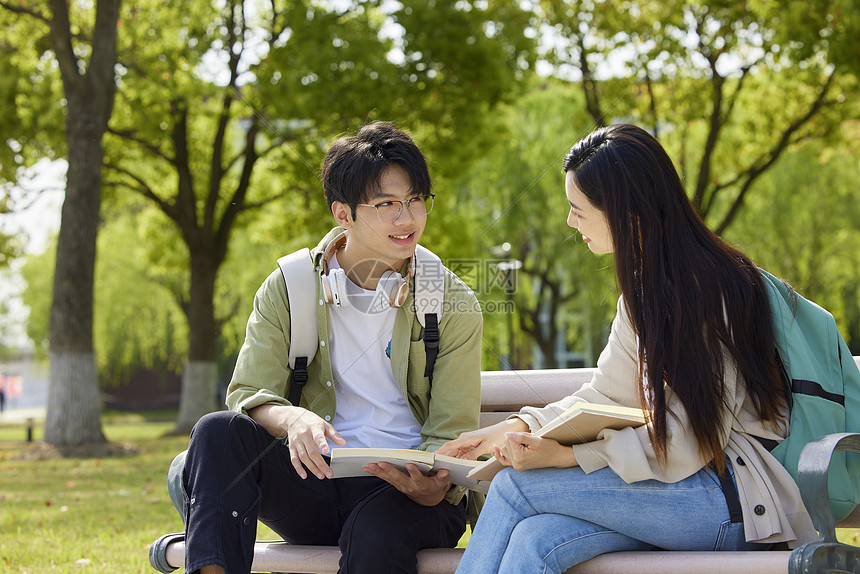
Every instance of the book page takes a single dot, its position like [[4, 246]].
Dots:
[[458, 472], [583, 422], [347, 462]]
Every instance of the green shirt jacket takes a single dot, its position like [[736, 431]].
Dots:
[[448, 407]]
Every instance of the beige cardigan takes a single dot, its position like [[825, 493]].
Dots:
[[772, 507]]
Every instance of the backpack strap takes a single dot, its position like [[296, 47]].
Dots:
[[733, 501], [300, 279], [429, 302]]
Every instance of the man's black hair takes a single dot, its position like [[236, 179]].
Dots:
[[354, 165]]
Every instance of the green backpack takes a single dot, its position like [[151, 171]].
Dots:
[[825, 388]]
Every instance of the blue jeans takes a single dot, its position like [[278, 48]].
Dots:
[[235, 473], [547, 520]]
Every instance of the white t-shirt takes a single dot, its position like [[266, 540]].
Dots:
[[371, 410]]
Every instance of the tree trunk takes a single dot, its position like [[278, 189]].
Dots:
[[199, 380], [199, 394], [73, 416], [542, 329], [73, 401]]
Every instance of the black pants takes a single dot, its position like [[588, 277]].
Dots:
[[236, 473]]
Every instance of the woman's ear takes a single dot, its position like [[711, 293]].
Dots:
[[342, 214]]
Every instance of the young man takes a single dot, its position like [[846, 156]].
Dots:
[[366, 387]]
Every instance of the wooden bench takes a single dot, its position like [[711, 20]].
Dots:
[[503, 393]]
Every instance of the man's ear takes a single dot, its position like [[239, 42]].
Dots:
[[342, 214]]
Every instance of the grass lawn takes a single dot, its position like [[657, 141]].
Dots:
[[87, 515], [98, 514]]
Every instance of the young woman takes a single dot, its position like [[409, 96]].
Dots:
[[693, 345]]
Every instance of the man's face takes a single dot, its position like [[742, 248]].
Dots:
[[371, 240]]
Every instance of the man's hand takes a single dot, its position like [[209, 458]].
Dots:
[[425, 490], [471, 445], [524, 451], [306, 432]]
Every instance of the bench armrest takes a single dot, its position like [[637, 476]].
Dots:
[[825, 554], [812, 471]]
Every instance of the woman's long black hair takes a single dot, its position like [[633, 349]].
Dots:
[[693, 300]]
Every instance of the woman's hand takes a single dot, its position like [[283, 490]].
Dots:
[[471, 445], [424, 490], [524, 451]]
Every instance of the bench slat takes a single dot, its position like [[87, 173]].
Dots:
[[682, 562], [281, 557], [510, 390]]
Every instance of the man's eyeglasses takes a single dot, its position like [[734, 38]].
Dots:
[[388, 211]]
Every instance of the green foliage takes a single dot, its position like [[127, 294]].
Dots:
[[461, 59], [325, 66], [804, 226], [748, 141], [137, 321], [829, 29], [8, 324], [31, 108], [253, 255], [30, 115], [515, 195], [11, 245], [440, 80], [38, 272], [719, 75]]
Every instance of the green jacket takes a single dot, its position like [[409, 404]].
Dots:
[[262, 372]]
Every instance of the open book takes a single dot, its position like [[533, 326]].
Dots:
[[347, 462], [580, 423]]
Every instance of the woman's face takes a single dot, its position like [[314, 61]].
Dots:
[[587, 219]]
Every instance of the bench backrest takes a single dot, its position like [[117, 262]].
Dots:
[[505, 392]]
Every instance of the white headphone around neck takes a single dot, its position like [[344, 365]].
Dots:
[[391, 285]]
